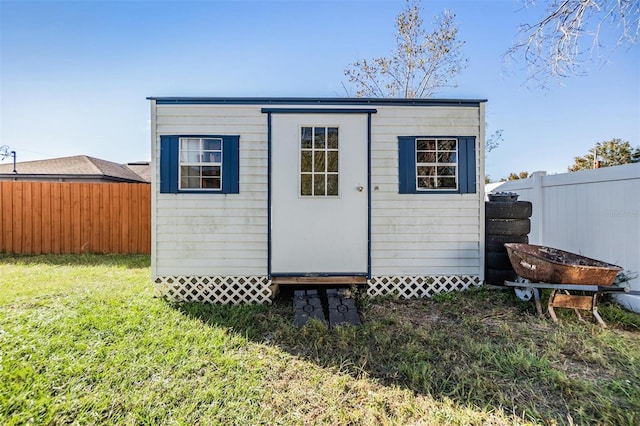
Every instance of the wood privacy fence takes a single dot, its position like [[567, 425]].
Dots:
[[70, 217]]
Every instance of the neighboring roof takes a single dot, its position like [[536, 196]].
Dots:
[[142, 169], [79, 165], [315, 101]]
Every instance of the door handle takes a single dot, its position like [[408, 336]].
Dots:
[[360, 188]]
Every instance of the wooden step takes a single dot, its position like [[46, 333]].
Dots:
[[320, 280]]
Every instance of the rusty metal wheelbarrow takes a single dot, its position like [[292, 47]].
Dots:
[[541, 267]]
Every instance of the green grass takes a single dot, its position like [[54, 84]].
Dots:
[[83, 341]]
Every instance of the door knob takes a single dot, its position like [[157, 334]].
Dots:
[[360, 188]]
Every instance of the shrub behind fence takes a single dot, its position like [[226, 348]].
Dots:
[[70, 217]]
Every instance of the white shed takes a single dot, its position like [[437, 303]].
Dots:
[[248, 193]]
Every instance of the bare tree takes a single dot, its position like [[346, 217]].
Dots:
[[557, 45], [492, 141], [422, 63]]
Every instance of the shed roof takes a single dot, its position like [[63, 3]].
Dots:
[[163, 100]]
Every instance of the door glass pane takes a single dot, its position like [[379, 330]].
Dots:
[[332, 161], [306, 187], [318, 184], [319, 137], [305, 138], [305, 161], [332, 184], [332, 138], [319, 161]]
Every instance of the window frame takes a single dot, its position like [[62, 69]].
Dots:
[[436, 164], [313, 150], [200, 164], [466, 165]]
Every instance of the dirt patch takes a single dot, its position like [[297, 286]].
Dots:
[[418, 313]]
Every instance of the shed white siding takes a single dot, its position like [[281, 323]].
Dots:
[[213, 234], [423, 234]]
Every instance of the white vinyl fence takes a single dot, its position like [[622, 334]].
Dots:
[[595, 213]]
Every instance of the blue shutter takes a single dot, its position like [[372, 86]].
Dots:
[[407, 164], [168, 164], [231, 165], [467, 164]]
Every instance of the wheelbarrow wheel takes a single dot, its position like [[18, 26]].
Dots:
[[523, 293]]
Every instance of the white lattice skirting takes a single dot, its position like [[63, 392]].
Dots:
[[225, 290], [411, 287], [256, 289]]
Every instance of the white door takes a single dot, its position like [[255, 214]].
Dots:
[[319, 194]]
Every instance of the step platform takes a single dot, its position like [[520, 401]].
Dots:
[[308, 305], [342, 309]]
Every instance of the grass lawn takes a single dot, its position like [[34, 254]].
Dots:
[[83, 341]]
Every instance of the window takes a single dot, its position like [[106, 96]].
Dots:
[[436, 164], [430, 165], [200, 163], [319, 161]]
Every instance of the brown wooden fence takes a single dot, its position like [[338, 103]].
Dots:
[[53, 217]]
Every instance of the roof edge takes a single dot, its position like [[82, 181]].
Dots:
[[45, 176], [176, 100]]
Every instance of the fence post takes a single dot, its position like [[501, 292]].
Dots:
[[537, 199]]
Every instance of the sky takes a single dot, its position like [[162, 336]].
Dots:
[[75, 75]]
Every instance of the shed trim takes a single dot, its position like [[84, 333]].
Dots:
[[169, 100], [320, 110], [369, 196], [270, 112], [269, 189]]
